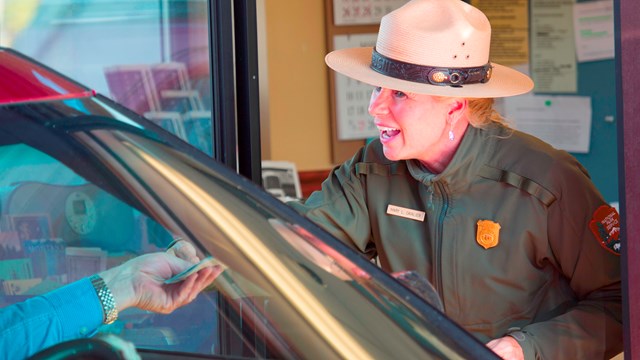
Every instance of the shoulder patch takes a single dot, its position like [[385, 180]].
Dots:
[[605, 226]]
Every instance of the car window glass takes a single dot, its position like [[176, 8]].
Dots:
[[56, 228], [81, 196]]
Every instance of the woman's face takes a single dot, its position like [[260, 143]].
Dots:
[[411, 126]]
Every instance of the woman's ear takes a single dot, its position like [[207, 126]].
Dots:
[[457, 108]]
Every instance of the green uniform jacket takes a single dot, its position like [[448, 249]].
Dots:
[[548, 276]]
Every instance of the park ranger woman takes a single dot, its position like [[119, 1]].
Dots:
[[519, 244]]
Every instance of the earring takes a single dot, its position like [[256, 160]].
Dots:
[[451, 136]]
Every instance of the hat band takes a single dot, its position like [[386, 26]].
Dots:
[[455, 77]]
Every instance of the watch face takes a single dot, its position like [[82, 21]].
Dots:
[[80, 212]]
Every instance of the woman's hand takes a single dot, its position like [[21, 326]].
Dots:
[[507, 348]]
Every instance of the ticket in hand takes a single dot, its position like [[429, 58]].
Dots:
[[208, 261]]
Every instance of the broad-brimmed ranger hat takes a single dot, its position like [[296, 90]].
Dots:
[[434, 47]]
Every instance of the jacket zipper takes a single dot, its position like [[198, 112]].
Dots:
[[438, 251]]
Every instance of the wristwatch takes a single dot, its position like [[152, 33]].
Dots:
[[109, 309]]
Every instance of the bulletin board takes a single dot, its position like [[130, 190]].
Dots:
[[352, 23], [571, 61], [355, 23]]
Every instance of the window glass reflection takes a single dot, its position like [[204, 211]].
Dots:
[[150, 56]]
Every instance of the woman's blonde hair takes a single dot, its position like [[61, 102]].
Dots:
[[482, 113]]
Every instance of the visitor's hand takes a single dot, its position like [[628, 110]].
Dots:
[[184, 250], [139, 282], [507, 348]]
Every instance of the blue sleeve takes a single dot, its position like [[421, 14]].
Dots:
[[67, 313]]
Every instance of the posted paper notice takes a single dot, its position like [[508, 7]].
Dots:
[[562, 121], [553, 52], [593, 23]]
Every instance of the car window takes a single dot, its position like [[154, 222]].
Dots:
[[57, 227], [81, 193]]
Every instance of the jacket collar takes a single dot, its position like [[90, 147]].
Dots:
[[475, 149]]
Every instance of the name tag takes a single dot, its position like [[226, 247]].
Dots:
[[405, 213]]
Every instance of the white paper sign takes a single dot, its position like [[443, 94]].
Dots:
[[593, 22], [562, 121]]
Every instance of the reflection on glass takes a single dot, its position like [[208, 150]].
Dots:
[[310, 247], [151, 56]]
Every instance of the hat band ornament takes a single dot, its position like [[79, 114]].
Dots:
[[455, 77]]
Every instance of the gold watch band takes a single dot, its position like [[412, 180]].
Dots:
[[109, 309]]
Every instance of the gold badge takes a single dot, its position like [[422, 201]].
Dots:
[[488, 234]]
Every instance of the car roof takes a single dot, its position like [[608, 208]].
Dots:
[[24, 80]]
